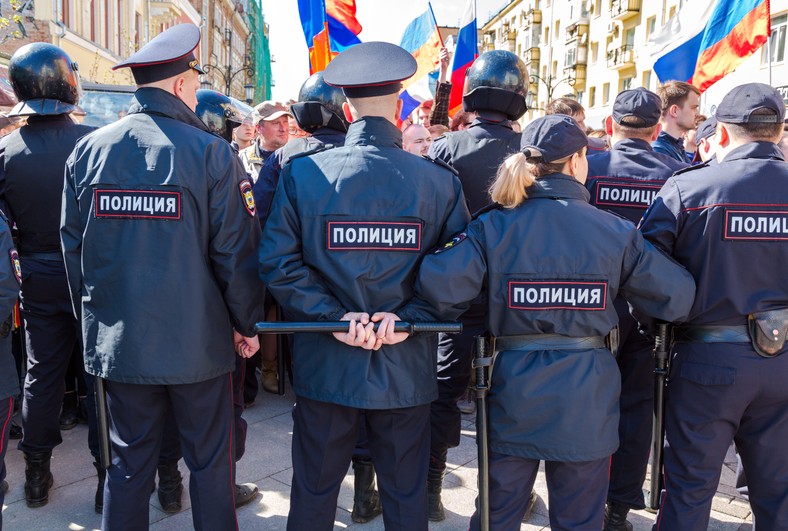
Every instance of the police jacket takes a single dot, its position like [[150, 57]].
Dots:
[[728, 225], [626, 179], [266, 182], [476, 153], [160, 239], [31, 178], [554, 265], [10, 280], [670, 146], [347, 230]]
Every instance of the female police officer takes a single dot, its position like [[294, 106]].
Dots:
[[552, 266]]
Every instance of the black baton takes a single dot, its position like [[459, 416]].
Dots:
[[661, 367], [481, 363], [280, 356], [102, 423], [426, 327]]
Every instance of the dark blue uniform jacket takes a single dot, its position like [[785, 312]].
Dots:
[[626, 179], [10, 277], [347, 230], [476, 154], [265, 186], [160, 238], [554, 265], [728, 225]]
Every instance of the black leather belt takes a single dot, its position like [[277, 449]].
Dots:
[[548, 342], [711, 334], [43, 256]]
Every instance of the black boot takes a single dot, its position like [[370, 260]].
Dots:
[[170, 487], [366, 501], [69, 415], [434, 486], [38, 478], [616, 517], [102, 477]]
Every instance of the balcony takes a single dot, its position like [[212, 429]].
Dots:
[[624, 9], [532, 57], [621, 58], [532, 18], [576, 76], [577, 32]]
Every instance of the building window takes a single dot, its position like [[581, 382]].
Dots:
[[557, 33], [579, 96], [65, 12], [647, 80], [547, 35], [776, 42], [625, 84], [594, 52], [651, 26], [592, 97], [598, 8], [605, 94]]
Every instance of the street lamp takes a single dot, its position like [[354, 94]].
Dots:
[[226, 72], [551, 83]]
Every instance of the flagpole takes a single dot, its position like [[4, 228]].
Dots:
[[435, 21], [769, 54]]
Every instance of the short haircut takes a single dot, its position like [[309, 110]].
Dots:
[[633, 127], [674, 93], [757, 130], [566, 106]]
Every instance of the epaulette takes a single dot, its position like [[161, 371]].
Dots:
[[312, 151], [446, 165], [691, 168], [488, 208]]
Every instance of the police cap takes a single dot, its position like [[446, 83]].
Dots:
[[738, 105], [706, 129], [370, 69], [638, 103], [168, 54], [552, 137]]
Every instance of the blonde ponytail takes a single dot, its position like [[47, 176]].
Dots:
[[514, 175]]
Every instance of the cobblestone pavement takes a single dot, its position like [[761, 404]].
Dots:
[[267, 463]]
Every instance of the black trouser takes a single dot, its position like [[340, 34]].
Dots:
[[576, 491], [455, 354], [324, 439], [138, 414], [52, 335], [636, 363], [6, 411]]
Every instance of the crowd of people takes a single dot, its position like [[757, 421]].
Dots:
[[176, 229]]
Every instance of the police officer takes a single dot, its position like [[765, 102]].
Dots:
[[152, 204], [10, 280], [726, 223], [552, 266], [624, 180], [347, 229], [46, 83], [495, 89], [705, 140], [319, 113]]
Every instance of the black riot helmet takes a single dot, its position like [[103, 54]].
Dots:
[[221, 114], [319, 105], [45, 80], [496, 81]]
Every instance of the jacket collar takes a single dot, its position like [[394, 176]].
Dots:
[[632, 144], [151, 100], [755, 150], [558, 186], [373, 131]]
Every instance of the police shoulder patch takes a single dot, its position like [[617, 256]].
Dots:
[[16, 267], [248, 197], [451, 244]]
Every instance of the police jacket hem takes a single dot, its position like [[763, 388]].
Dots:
[[531, 452], [160, 380], [359, 403]]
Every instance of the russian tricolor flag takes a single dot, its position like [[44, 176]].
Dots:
[[465, 53], [707, 40], [330, 26], [422, 39]]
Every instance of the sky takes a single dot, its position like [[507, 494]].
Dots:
[[381, 20]]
